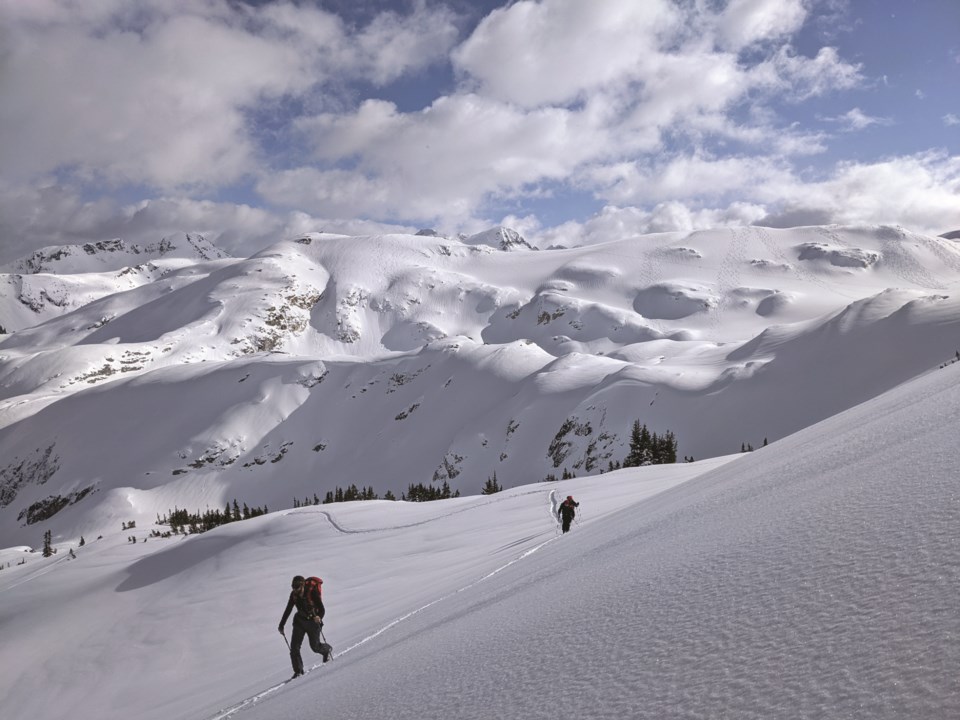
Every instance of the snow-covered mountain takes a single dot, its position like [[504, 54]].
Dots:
[[326, 360], [814, 578], [54, 280]]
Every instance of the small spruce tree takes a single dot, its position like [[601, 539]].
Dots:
[[491, 486]]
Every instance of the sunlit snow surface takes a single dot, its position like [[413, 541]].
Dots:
[[815, 578], [327, 360]]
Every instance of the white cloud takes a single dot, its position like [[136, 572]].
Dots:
[[799, 77], [547, 105], [951, 119], [552, 52], [441, 161], [158, 93], [634, 102], [745, 22], [614, 222], [53, 215], [393, 45], [686, 176], [920, 191], [856, 119]]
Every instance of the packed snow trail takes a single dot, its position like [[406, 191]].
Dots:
[[254, 699]]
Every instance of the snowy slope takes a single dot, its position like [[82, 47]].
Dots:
[[328, 360], [57, 279], [813, 578]]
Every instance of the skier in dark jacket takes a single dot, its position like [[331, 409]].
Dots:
[[307, 621], [566, 511]]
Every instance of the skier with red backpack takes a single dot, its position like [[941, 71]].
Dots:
[[307, 596]]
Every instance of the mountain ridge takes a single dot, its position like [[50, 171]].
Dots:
[[330, 360]]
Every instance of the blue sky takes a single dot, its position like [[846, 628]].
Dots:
[[572, 121]]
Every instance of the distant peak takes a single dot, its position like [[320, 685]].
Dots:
[[113, 254], [952, 235], [501, 238]]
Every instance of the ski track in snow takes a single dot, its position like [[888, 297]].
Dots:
[[728, 278], [553, 503], [797, 268], [347, 531], [905, 267]]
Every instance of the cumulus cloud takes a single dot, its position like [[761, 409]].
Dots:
[[679, 108], [158, 93], [539, 102], [54, 215], [951, 119], [919, 191], [439, 162], [745, 22], [688, 175], [536, 53], [614, 222]]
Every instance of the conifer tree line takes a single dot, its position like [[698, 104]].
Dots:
[[351, 493], [647, 448], [182, 521], [426, 493], [415, 493]]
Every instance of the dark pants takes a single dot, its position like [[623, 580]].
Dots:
[[566, 520], [304, 626]]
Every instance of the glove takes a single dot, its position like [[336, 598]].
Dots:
[[318, 621]]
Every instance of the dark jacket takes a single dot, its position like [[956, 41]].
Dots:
[[567, 510], [309, 604]]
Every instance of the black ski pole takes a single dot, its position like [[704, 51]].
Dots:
[[285, 639]]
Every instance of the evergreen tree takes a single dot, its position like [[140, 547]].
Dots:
[[491, 486], [664, 449], [642, 446], [634, 456], [388, 495], [82, 542], [47, 544]]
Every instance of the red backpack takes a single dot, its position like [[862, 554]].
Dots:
[[313, 585]]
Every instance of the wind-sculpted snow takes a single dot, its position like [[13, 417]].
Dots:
[[813, 579], [436, 360]]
